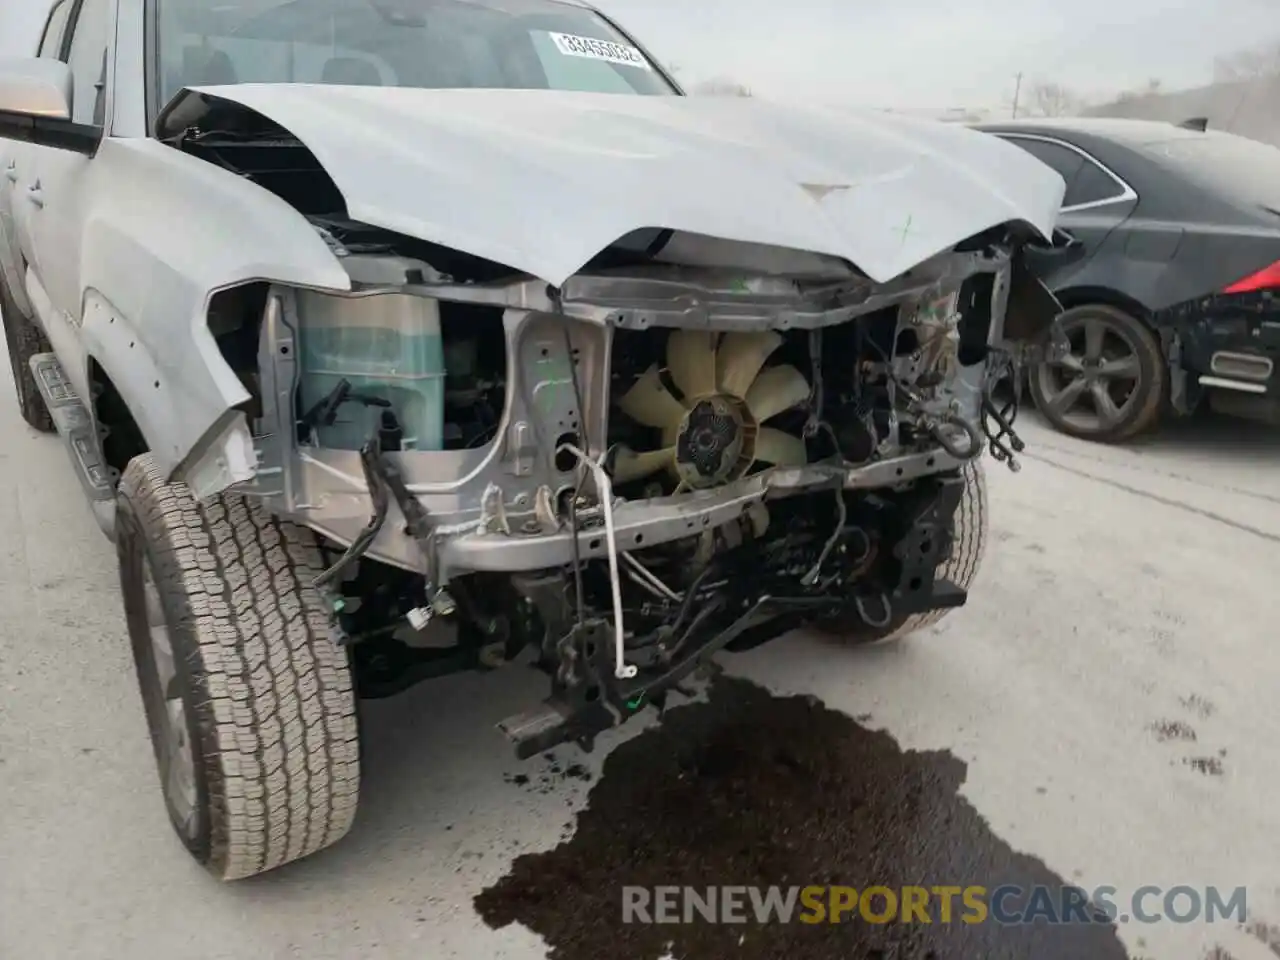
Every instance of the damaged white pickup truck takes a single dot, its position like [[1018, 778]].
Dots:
[[364, 318]]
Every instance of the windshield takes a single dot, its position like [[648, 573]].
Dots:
[[512, 44]]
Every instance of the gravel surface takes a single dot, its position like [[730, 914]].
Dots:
[[1100, 713]]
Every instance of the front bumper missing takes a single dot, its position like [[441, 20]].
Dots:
[[588, 697], [489, 506], [491, 510], [664, 519]]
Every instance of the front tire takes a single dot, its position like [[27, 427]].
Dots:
[[24, 340], [969, 546], [1111, 386], [248, 697]]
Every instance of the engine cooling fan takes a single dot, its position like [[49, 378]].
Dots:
[[715, 433]]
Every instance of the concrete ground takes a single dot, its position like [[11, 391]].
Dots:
[[1111, 686]]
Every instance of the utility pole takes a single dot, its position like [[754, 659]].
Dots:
[[1017, 93]]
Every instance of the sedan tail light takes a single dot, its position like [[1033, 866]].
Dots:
[[1268, 278]]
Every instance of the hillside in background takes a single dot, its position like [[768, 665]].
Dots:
[[1249, 107]]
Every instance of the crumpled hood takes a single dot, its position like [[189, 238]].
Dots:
[[542, 181]]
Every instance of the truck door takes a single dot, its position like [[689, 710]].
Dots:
[[17, 245], [58, 196]]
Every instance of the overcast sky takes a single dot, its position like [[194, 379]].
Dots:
[[912, 53]]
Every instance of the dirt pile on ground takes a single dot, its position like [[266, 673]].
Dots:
[[752, 789]]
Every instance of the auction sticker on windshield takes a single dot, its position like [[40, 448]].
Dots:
[[620, 53]]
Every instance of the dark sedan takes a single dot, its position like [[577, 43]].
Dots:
[[1169, 273]]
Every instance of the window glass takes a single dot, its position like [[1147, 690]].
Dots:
[[1092, 185], [1066, 162], [1086, 181], [51, 42], [88, 61], [574, 73], [512, 44]]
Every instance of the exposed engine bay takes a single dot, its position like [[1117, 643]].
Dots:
[[691, 443], [644, 495]]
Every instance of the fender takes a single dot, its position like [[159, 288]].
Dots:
[[116, 345], [164, 232]]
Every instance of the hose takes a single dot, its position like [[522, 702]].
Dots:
[[621, 669]]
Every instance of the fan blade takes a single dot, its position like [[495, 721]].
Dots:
[[629, 465], [740, 357], [775, 390], [650, 403], [780, 449], [691, 358]]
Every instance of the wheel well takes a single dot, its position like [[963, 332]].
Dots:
[[234, 317], [235, 320], [118, 433], [1083, 296]]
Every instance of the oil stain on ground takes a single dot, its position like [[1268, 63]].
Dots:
[[752, 789]]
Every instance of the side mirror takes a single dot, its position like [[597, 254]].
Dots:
[[35, 107], [36, 88], [1063, 245]]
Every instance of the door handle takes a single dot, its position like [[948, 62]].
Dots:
[[11, 171], [36, 195]]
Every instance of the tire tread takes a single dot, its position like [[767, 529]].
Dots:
[[24, 340], [282, 763]]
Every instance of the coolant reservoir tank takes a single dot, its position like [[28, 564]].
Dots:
[[386, 345]]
